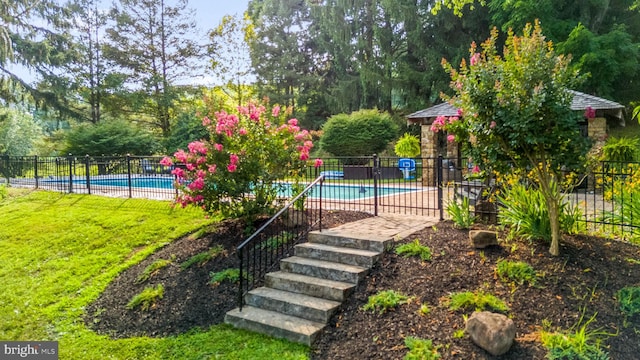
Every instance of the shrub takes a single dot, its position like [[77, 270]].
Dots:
[[629, 300], [237, 172], [408, 146], [421, 349], [386, 300], [516, 271], [152, 269], [231, 275], [477, 301], [624, 193], [147, 298], [524, 210], [578, 343], [414, 249], [361, 133], [623, 149], [202, 257], [460, 213], [110, 138]]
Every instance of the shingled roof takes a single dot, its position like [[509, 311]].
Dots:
[[580, 102]]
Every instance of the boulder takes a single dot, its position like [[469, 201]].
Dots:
[[480, 239], [493, 332]]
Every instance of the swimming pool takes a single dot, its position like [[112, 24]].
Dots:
[[329, 191]]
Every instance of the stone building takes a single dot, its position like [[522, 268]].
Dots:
[[433, 144]]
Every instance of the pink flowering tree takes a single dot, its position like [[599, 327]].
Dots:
[[238, 171], [515, 113]]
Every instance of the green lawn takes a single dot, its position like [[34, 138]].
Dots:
[[60, 251]]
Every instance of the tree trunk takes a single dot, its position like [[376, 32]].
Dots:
[[554, 219]]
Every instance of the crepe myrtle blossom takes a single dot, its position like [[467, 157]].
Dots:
[[451, 138], [248, 152], [589, 112]]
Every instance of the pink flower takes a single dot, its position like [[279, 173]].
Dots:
[[451, 138], [308, 144], [453, 119], [475, 58], [304, 156], [233, 159], [191, 167], [206, 121], [459, 112], [254, 116], [166, 161], [589, 112], [201, 174], [275, 111], [178, 172], [242, 131], [434, 128], [293, 122], [218, 147], [231, 168], [197, 184], [318, 163], [476, 169], [181, 156], [197, 147], [492, 125], [212, 168]]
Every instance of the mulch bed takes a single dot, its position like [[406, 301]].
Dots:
[[583, 280]]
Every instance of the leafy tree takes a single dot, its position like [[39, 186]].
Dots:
[[152, 44], [110, 138], [188, 128], [517, 113], [230, 55], [18, 132], [361, 133], [34, 34]]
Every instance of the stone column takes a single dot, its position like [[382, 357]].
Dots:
[[429, 145]]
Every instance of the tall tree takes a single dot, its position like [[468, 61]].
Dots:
[[33, 35], [152, 43]]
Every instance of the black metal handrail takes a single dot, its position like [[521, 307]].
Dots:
[[275, 239]]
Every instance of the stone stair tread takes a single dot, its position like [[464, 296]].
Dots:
[[311, 280], [274, 324], [339, 249], [296, 298], [325, 264]]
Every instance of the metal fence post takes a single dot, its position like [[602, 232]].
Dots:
[[129, 174], [87, 174], [5, 167], [35, 169], [70, 160], [376, 170], [439, 185]]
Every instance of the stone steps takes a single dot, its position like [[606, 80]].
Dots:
[[298, 301]]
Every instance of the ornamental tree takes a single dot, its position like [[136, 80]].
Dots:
[[238, 170], [516, 113]]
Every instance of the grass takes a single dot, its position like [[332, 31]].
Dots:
[[147, 298], [231, 275], [577, 343], [153, 269], [629, 300], [414, 249], [203, 257], [421, 349], [386, 300], [478, 301], [516, 271], [61, 251]]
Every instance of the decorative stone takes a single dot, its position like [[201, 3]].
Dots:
[[493, 332], [480, 239]]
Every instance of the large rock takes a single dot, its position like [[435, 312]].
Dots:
[[480, 239], [492, 332]]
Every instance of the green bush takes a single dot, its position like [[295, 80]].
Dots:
[[460, 213], [623, 149], [361, 133], [524, 211], [152, 269], [516, 271], [421, 349], [147, 298], [414, 249], [408, 146], [477, 301], [629, 299], [386, 300], [111, 138], [579, 343]]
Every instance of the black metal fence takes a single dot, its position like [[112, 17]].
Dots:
[[607, 198]]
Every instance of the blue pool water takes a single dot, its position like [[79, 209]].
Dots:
[[329, 191]]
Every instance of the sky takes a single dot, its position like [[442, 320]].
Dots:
[[208, 14]]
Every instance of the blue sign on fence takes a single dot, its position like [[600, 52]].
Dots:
[[407, 164]]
